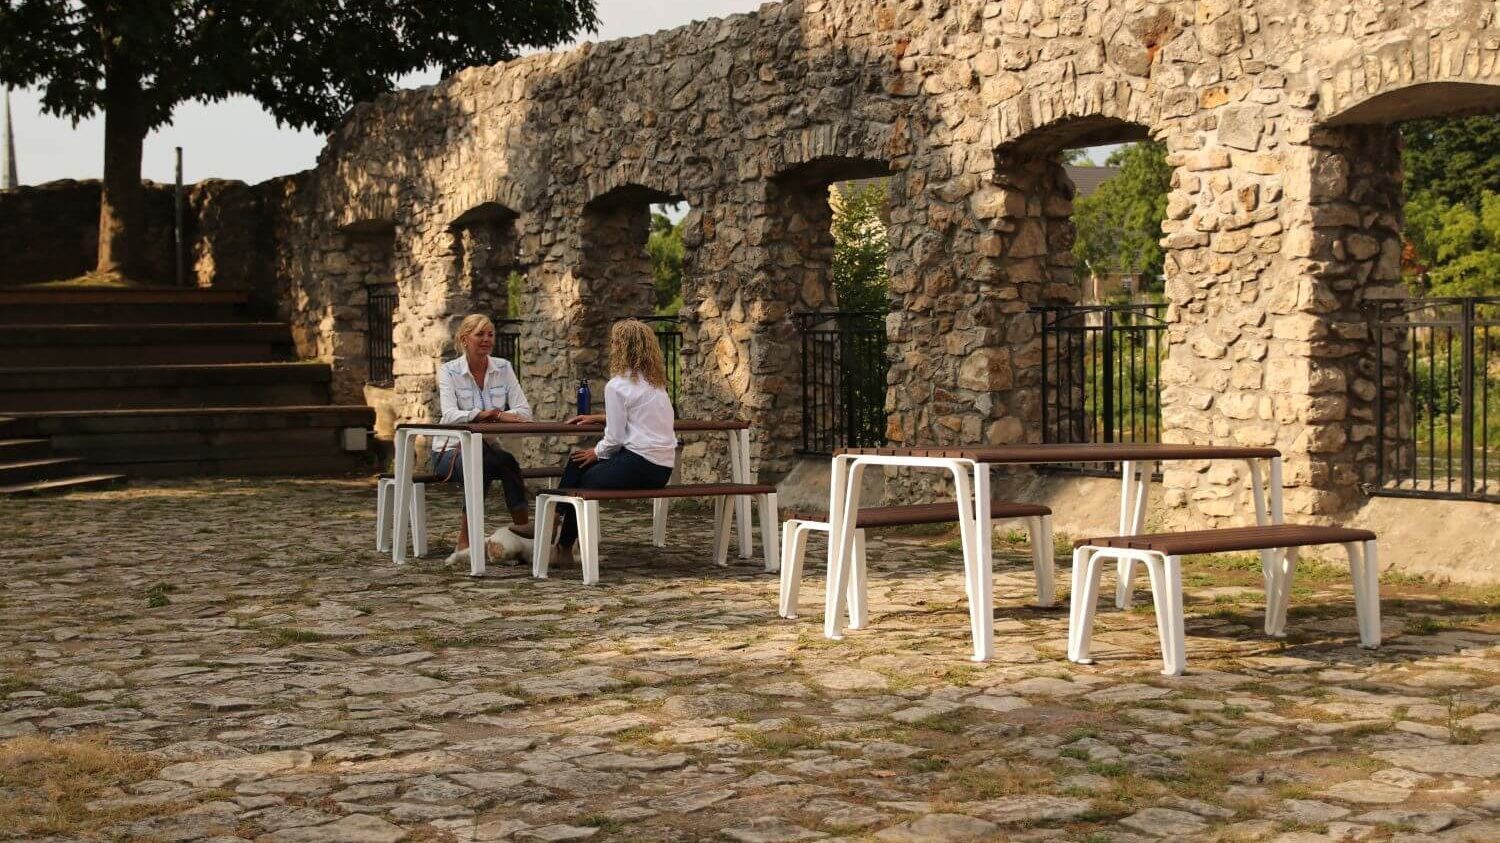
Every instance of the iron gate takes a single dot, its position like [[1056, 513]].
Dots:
[[1100, 373], [380, 346], [1438, 367], [669, 337], [843, 380]]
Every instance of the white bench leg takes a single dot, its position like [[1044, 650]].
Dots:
[[768, 532], [541, 546], [793, 550], [384, 508], [659, 507], [1088, 565], [1278, 605], [1372, 597], [418, 518], [859, 585], [983, 597], [1041, 560], [588, 540], [1366, 592], [724, 513], [1166, 592]]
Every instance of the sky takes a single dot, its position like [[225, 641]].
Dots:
[[237, 139]]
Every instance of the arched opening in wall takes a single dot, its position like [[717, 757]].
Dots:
[[491, 271], [366, 248], [633, 256], [1405, 191], [1100, 236], [830, 247]]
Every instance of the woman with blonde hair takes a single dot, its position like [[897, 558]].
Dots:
[[475, 387], [639, 447]]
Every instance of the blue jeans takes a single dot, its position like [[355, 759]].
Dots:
[[624, 470], [498, 465]]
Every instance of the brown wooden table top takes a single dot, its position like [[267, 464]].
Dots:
[[549, 428], [1086, 452]]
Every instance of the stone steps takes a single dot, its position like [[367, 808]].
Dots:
[[29, 466], [140, 387], [139, 344], [62, 485], [209, 440], [57, 305]]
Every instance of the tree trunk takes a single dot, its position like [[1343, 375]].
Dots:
[[120, 220]]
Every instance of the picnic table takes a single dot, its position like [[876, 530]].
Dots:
[[470, 441], [969, 466]]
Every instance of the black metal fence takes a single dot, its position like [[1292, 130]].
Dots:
[[843, 380], [380, 344], [669, 337], [508, 341], [1438, 404], [1100, 373]]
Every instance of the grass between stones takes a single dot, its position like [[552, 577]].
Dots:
[[46, 784]]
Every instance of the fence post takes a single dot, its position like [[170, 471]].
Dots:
[[1108, 376], [1466, 406], [1377, 327], [1046, 386]]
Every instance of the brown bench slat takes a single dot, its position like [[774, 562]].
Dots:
[[926, 513], [539, 473], [1083, 452], [701, 490], [1233, 538], [416, 477]]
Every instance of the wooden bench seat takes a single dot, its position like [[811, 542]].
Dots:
[[1162, 554], [925, 513], [527, 473], [585, 503]]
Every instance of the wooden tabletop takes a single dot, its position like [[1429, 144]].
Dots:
[[1087, 452], [546, 428]]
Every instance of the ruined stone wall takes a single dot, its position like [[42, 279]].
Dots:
[[1280, 225]]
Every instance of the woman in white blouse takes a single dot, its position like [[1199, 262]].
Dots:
[[475, 387], [639, 447]]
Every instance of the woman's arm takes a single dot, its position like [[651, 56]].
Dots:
[[448, 401], [515, 398], [615, 414]]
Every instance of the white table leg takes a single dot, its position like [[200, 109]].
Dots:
[[1124, 565], [982, 597], [403, 496], [841, 552], [739, 453], [473, 457], [837, 486]]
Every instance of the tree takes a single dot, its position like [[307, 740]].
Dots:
[[1456, 159], [1119, 225], [665, 247], [1459, 245], [860, 246], [306, 61]]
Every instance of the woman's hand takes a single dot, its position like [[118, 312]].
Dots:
[[595, 418], [585, 457]]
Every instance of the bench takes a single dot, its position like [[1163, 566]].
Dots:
[[585, 503], [795, 528], [1162, 554], [385, 505]]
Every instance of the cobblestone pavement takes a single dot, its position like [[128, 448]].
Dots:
[[231, 660]]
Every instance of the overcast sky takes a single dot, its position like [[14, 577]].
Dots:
[[237, 139]]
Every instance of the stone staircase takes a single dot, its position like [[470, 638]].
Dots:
[[96, 384]]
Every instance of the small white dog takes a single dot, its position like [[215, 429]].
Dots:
[[502, 546]]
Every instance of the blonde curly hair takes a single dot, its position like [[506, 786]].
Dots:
[[635, 353]]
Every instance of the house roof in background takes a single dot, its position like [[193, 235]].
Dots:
[[1086, 180]]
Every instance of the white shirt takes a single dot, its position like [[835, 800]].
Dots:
[[461, 399], [638, 416]]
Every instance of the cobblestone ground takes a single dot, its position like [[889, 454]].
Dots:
[[231, 660]]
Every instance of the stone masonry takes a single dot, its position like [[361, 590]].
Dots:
[[1283, 219]]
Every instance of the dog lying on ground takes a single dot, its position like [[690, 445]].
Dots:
[[502, 546]]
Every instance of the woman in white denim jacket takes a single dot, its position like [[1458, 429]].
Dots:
[[475, 387]]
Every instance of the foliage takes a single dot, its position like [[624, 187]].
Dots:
[[1458, 243], [1077, 157], [306, 61], [1455, 159], [665, 247], [515, 290], [860, 247], [1119, 226]]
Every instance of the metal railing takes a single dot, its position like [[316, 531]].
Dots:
[[380, 345], [843, 380], [508, 341], [1101, 374], [1437, 407]]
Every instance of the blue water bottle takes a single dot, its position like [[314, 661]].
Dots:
[[583, 398]]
